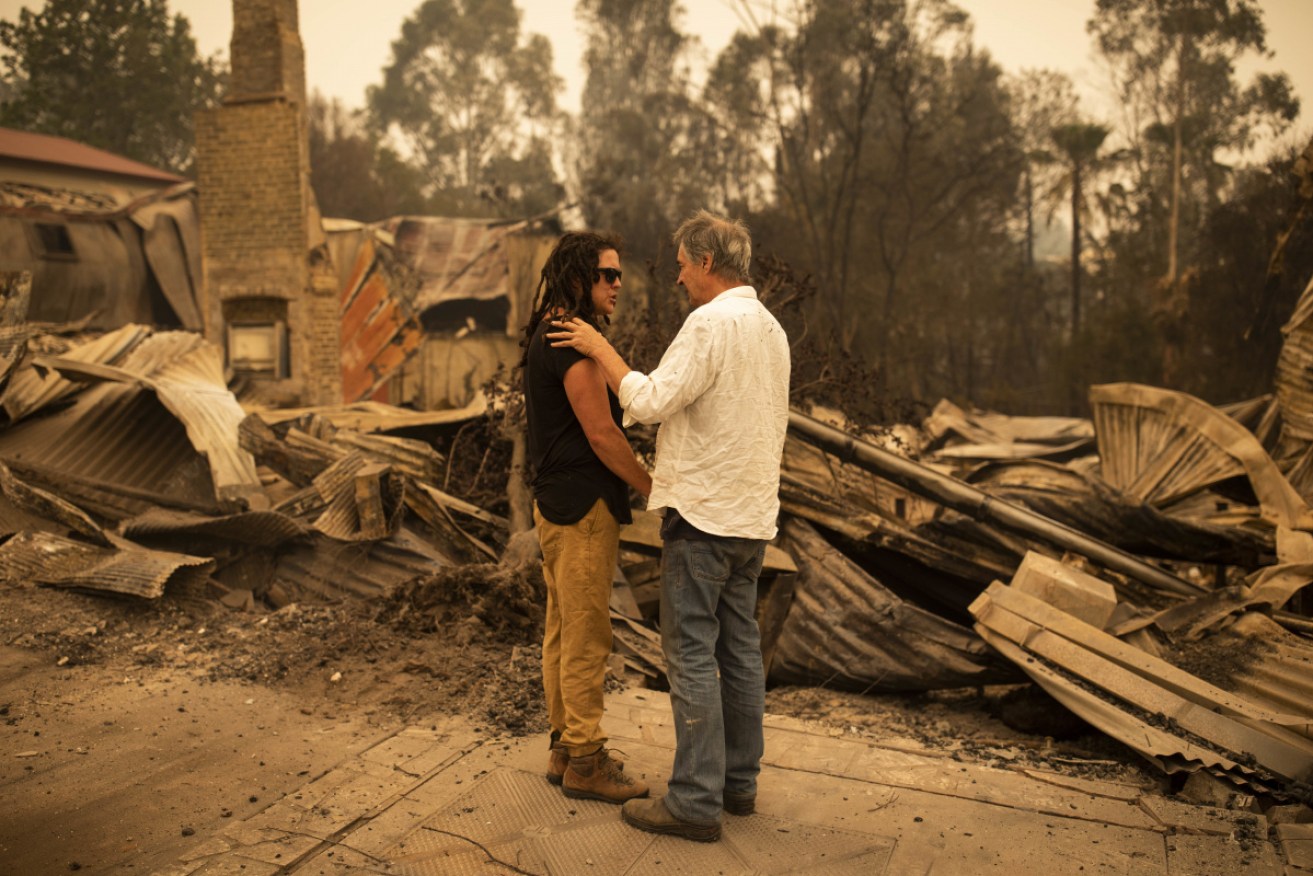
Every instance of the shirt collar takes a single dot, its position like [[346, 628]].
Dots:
[[736, 292]]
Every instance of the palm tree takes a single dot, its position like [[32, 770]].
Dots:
[[1079, 145]]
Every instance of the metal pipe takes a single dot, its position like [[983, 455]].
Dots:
[[966, 499]]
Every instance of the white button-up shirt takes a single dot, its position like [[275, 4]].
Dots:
[[721, 395]]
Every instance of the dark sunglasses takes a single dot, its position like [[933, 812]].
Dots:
[[612, 275]]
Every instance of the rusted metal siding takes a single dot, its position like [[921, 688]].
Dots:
[[379, 328], [455, 258]]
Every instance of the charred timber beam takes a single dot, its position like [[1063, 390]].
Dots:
[[966, 499]]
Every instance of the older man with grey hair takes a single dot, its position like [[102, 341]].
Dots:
[[721, 395]]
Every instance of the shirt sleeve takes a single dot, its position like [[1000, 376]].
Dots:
[[559, 359], [686, 371]]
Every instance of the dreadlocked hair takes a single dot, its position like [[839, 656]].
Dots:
[[567, 280]]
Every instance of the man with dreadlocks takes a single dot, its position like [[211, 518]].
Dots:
[[721, 395], [583, 468]]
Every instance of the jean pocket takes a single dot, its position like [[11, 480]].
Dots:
[[708, 562]]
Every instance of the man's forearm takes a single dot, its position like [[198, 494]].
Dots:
[[613, 367], [615, 453]]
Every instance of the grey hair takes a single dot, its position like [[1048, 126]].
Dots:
[[726, 240]]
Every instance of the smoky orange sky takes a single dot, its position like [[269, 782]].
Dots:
[[348, 42]]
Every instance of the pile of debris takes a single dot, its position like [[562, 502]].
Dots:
[[1134, 542]]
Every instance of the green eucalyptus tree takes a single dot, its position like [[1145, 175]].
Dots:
[[1173, 63], [353, 174], [475, 103], [121, 75], [638, 170], [893, 162]]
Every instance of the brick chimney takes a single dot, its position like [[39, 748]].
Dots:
[[270, 299]]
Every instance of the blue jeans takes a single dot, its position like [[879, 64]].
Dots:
[[713, 655]]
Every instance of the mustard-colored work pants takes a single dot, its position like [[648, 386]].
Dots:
[[578, 563]]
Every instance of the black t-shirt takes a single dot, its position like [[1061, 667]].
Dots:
[[568, 476]]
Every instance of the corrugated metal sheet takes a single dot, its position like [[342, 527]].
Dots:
[[15, 297], [455, 258], [1294, 380], [1160, 446], [125, 567], [1281, 679], [371, 416], [955, 433], [30, 390], [325, 569], [25, 507], [13, 346], [118, 437], [410, 456], [44, 149], [261, 528], [380, 329], [1173, 718], [347, 517], [847, 630], [186, 373], [171, 224]]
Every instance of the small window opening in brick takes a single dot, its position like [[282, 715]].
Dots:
[[55, 240]]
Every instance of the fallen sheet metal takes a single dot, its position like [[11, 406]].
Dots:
[[846, 630], [415, 458], [955, 433], [31, 390], [186, 373], [259, 528], [1089, 505], [123, 567], [1294, 379], [325, 569], [116, 451], [1160, 446], [15, 295], [24, 507], [1173, 718], [370, 416], [299, 463], [1280, 675], [365, 500], [435, 508]]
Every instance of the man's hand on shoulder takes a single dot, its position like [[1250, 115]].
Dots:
[[579, 335]]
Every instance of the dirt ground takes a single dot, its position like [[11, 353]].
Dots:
[[132, 730]]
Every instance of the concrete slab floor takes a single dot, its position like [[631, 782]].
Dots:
[[445, 800]]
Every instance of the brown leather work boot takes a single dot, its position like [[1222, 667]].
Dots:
[[598, 776], [557, 760], [654, 817]]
